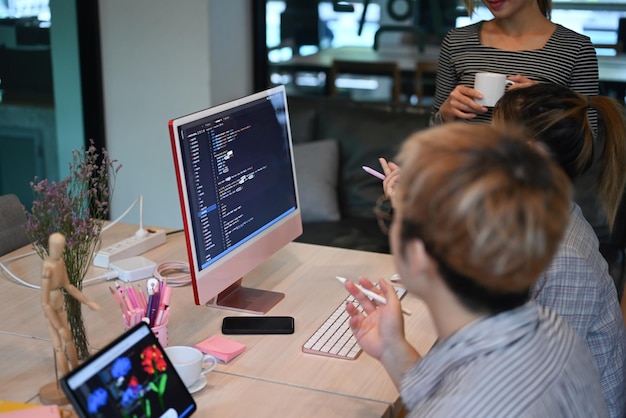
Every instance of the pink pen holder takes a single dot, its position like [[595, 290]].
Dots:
[[160, 331]]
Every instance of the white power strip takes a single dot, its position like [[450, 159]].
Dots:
[[129, 247]]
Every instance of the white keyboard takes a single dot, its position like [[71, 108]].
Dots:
[[334, 337]]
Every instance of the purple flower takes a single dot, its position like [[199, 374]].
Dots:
[[76, 207]]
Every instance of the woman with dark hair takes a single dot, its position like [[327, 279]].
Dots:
[[577, 284], [558, 117]]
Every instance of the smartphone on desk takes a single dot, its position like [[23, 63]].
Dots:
[[258, 325]]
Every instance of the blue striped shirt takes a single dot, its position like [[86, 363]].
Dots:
[[578, 287], [568, 58], [526, 362]]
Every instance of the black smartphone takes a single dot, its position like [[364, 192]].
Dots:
[[258, 325]]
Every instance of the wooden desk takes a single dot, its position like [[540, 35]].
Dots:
[[611, 69], [273, 370], [406, 56]]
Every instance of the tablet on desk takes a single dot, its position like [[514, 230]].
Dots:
[[132, 376]]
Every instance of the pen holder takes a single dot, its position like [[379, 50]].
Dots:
[[160, 331]]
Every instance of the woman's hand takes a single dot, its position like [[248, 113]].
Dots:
[[461, 104], [392, 172], [520, 81]]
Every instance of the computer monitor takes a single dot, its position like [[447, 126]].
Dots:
[[238, 195]]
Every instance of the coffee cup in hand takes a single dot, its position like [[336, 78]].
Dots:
[[190, 363], [491, 86]]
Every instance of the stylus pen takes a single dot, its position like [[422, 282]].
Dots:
[[373, 172], [371, 294]]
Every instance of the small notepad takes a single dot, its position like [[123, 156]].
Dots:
[[220, 347]]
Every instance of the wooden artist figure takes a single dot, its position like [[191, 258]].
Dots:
[[54, 280]]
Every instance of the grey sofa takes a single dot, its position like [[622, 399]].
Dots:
[[333, 138]]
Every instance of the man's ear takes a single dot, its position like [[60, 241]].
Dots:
[[420, 262]]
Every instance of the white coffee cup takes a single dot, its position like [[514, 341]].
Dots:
[[491, 86], [190, 363]]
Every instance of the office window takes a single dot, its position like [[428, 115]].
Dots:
[[598, 20], [320, 25], [311, 26], [25, 8]]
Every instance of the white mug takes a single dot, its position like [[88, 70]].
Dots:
[[190, 363], [491, 86]]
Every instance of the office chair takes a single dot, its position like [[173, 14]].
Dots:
[[425, 73], [388, 69], [12, 220]]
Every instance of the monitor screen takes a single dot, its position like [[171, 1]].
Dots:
[[238, 195]]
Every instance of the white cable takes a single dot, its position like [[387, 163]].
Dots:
[[108, 275], [13, 276], [174, 273], [119, 218]]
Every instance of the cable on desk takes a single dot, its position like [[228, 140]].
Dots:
[[13, 276], [174, 273], [109, 275]]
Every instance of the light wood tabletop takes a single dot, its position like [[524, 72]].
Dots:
[[272, 377]]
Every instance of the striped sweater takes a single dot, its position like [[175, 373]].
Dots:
[[568, 58]]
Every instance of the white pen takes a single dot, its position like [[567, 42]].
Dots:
[[371, 294]]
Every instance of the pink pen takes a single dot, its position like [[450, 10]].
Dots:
[[124, 297], [165, 303], [142, 298], [132, 296], [373, 172]]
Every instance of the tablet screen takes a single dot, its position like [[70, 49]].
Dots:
[[131, 377]]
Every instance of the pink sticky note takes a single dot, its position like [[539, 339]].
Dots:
[[222, 348]]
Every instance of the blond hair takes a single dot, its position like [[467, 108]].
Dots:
[[488, 206]]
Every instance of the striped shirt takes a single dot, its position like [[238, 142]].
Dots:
[[526, 362], [568, 58], [578, 287]]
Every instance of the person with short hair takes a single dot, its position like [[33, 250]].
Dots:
[[478, 215]]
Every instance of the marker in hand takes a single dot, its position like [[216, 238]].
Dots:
[[375, 296], [373, 172]]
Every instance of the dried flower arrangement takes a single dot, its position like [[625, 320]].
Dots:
[[77, 207]]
